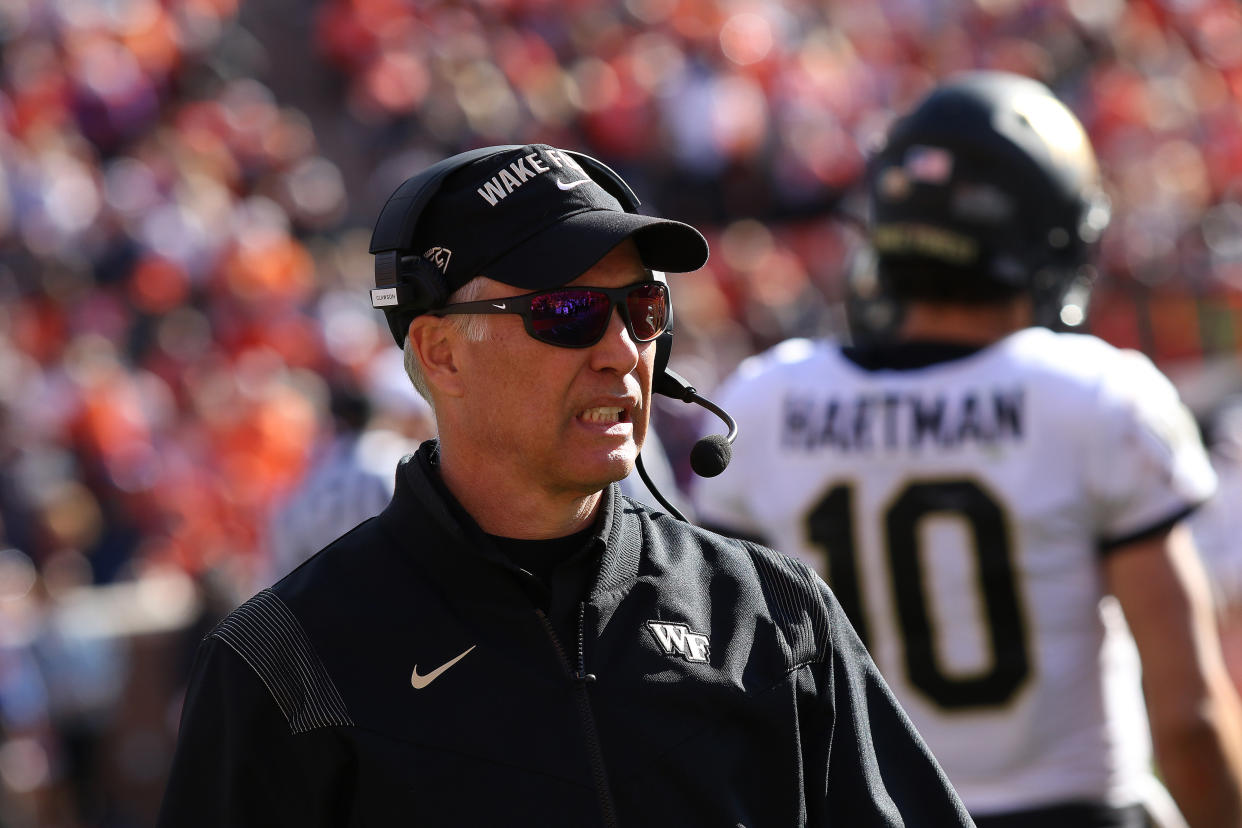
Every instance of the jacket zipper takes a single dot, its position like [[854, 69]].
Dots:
[[581, 679]]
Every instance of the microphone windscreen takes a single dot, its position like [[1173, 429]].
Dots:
[[710, 456]]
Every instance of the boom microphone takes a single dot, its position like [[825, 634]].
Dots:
[[711, 454]]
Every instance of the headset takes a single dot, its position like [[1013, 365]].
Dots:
[[408, 284]]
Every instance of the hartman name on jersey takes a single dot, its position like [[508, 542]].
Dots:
[[875, 422]]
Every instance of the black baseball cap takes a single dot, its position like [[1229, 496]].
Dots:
[[534, 217]]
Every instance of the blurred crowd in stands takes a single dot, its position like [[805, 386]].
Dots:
[[186, 194]]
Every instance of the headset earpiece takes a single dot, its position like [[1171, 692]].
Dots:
[[411, 285], [430, 289]]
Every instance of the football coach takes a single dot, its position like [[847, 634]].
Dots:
[[511, 641]]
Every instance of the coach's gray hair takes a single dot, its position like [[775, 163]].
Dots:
[[472, 326]]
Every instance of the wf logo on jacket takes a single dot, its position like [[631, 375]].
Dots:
[[680, 639]]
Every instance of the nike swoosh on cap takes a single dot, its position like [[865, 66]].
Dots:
[[419, 682], [572, 184]]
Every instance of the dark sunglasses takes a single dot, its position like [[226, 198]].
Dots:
[[577, 317]]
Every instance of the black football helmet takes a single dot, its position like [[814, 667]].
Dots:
[[989, 187]]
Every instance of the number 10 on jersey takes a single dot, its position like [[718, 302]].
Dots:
[[830, 526]]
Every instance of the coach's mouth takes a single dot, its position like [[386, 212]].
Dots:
[[605, 415]]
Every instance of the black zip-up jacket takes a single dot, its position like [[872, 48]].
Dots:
[[408, 674]]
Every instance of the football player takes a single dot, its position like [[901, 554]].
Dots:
[[999, 506]]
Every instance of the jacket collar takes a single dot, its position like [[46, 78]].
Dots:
[[426, 520]]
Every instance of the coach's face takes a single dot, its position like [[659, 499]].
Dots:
[[569, 420]]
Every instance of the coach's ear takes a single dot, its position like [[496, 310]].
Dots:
[[435, 341]]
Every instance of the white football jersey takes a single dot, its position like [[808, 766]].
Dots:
[[960, 512]]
